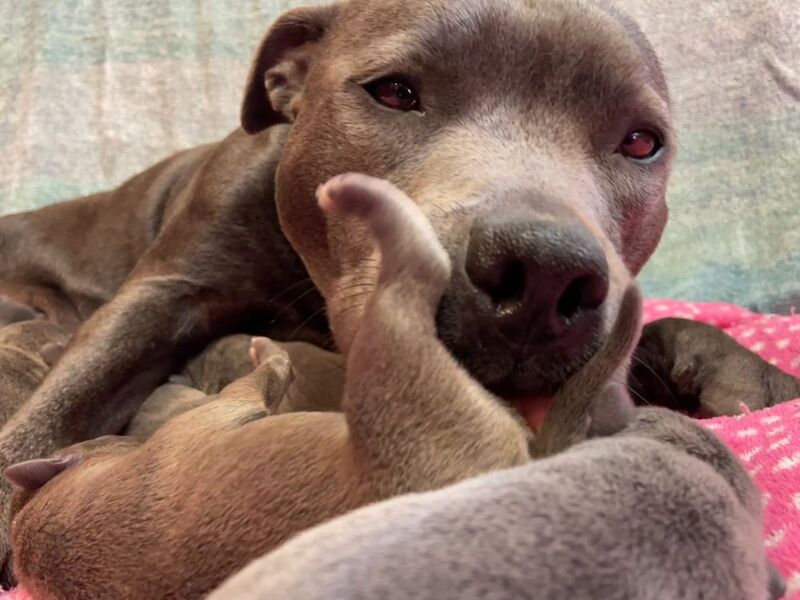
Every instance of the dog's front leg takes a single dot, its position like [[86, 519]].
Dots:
[[417, 419]]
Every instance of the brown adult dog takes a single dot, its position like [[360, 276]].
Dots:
[[536, 135], [219, 486]]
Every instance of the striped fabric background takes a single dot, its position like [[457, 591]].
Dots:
[[92, 91]]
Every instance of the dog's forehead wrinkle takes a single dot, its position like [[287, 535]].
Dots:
[[514, 47]]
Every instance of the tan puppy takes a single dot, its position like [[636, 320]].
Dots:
[[27, 351], [214, 488], [318, 376], [317, 380]]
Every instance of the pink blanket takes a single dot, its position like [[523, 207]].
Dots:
[[768, 441]]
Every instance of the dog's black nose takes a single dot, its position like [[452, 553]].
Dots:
[[546, 279]]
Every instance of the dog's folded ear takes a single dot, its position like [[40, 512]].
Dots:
[[277, 75]]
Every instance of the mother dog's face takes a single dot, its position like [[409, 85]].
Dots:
[[536, 134]]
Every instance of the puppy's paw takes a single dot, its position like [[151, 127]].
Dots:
[[777, 584], [408, 244]]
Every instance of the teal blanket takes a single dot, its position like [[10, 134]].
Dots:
[[92, 91]]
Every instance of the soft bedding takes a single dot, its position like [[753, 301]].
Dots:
[[767, 441], [92, 91]]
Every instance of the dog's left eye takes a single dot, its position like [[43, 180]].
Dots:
[[394, 94], [641, 144]]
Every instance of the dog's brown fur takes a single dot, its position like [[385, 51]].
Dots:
[[214, 488]]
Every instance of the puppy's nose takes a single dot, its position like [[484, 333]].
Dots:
[[546, 279]]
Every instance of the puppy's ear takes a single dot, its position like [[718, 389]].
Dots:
[[30, 475], [277, 75]]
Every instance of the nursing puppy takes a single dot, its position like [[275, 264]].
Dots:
[[233, 356], [27, 351], [214, 489], [661, 510], [695, 368], [317, 381]]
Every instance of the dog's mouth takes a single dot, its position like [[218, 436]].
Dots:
[[533, 410]]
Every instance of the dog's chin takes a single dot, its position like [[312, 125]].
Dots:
[[527, 386]]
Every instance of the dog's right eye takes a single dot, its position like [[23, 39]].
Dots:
[[641, 144], [394, 93]]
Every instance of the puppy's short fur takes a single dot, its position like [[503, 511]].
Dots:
[[27, 351], [318, 377], [696, 368], [222, 362], [660, 511], [317, 380], [214, 488]]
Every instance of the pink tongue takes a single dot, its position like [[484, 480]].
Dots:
[[534, 410]]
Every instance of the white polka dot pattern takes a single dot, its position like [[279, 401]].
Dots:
[[768, 441]]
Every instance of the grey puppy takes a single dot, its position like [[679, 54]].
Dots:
[[696, 368], [662, 510]]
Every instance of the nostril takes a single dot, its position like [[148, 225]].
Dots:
[[584, 293], [511, 284]]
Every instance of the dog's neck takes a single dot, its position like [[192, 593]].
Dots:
[[294, 307]]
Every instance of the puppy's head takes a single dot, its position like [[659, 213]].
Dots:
[[535, 135], [31, 476], [42, 340]]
